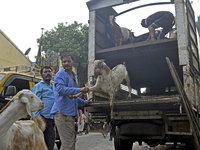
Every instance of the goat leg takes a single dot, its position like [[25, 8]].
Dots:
[[129, 86], [111, 107], [94, 88], [76, 95]]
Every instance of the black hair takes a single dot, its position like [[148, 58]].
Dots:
[[66, 54], [46, 67]]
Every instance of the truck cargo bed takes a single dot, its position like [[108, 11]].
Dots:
[[145, 63], [136, 104]]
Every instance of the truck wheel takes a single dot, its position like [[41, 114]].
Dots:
[[122, 144], [153, 143]]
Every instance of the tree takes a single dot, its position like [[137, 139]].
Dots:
[[72, 38]]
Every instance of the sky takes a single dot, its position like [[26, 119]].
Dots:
[[22, 20]]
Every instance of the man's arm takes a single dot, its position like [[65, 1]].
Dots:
[[82, 102], [37, 91], [62, 89]]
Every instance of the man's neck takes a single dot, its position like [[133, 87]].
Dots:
[[71, 74], [69, 71], [48, 82]]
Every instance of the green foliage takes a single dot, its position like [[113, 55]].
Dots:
[[72, 38]]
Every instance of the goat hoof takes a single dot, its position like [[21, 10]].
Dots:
[[70, 96], [112, 120]]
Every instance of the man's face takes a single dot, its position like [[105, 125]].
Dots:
[[67, 63], [47, 74]]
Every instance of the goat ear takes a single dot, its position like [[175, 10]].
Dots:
[[102, 60], [20, 95], [26, 101]]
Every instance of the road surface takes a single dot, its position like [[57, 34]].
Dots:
[[93, 141], [96, 141]]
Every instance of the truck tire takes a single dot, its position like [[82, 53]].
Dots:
[[122, 144]]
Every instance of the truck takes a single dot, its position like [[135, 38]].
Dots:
[[157, 114]]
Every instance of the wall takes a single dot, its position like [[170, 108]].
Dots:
[[10, 54]]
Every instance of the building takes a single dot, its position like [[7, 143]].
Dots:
[[10, 54]]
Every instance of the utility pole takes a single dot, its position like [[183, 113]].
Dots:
[[42, 30]]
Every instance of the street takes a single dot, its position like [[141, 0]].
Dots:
[[93, 141], [96, 141]]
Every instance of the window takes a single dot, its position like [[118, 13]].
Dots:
[[20, 84], [2, 75]]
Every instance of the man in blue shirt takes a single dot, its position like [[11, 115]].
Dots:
[[65, 109], [44, 90]]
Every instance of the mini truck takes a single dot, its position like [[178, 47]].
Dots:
[[157, 115]]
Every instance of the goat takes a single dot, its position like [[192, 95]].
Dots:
[[144, 37], [18, 135], [119, 34], [173, 34], [109, 80]]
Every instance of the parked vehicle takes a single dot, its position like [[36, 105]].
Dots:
[[19, 77], [156, 115]]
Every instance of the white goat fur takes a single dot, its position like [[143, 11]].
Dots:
[[109, 80], [173, 34], [120, 34], [21, 135]]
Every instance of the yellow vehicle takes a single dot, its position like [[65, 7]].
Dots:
[[16, 78]]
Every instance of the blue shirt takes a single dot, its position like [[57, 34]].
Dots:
[[64, 85], [45, 93]]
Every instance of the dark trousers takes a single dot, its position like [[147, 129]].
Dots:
[[49, 133], [111, 134], [86, 127], [166, 22]]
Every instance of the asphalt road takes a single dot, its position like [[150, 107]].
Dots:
[[96, 141], [93, 141]]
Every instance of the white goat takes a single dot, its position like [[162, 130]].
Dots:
[[21, 135], [119, 34], [109, 80]]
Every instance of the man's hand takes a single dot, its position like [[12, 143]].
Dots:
[[84, 89]]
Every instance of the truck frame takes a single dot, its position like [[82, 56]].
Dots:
[[158, 115]]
